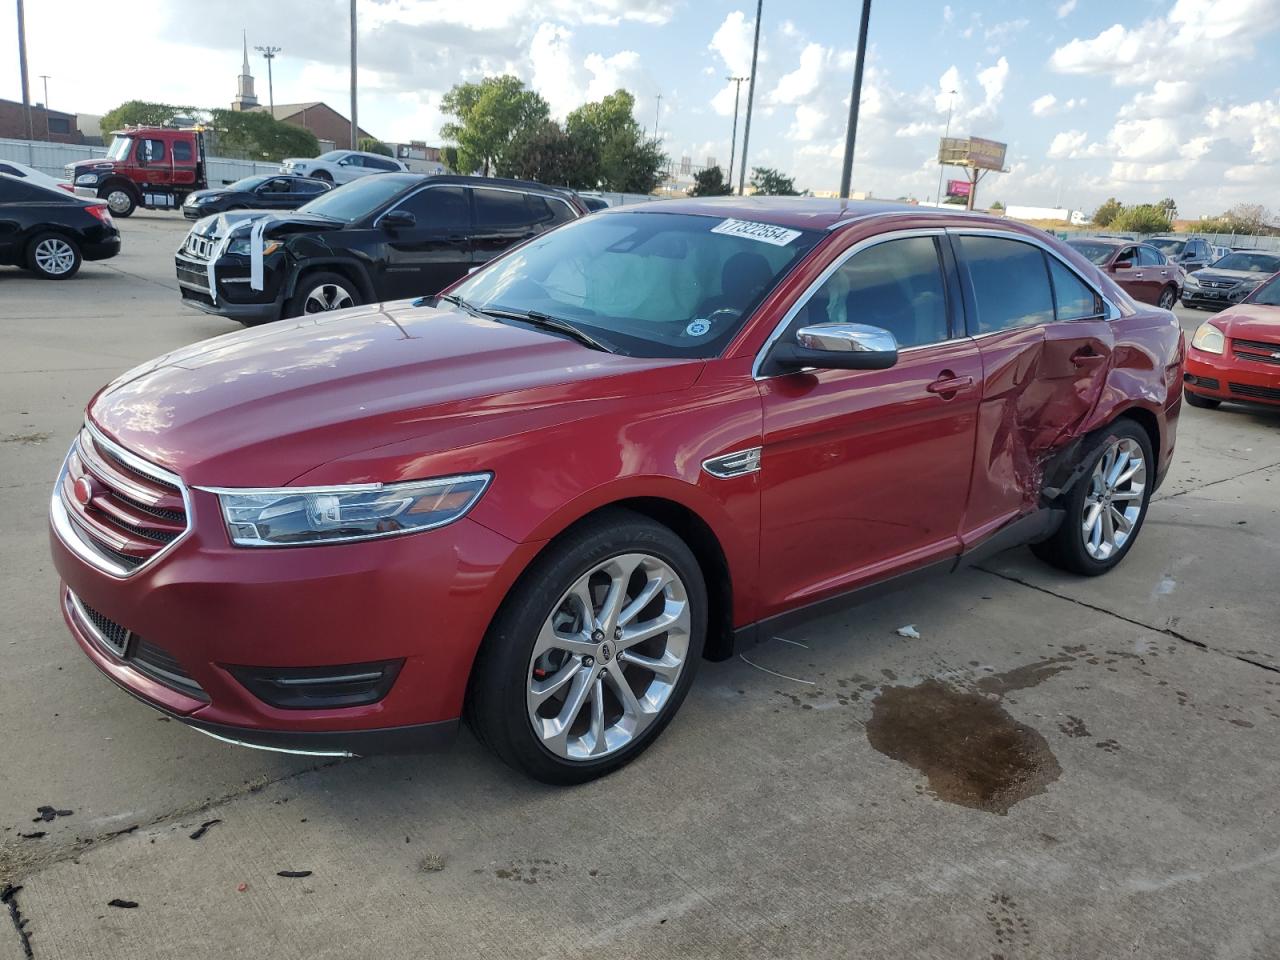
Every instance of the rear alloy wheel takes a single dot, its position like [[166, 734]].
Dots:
[[1104, 512], [593, 651], [119, 201], [53, 257], [1168, 297], [324, 175], [322, 293], [1204, 403]]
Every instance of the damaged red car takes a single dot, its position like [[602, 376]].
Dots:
[[538, 500]]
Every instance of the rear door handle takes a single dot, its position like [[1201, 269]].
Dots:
[[1138, 274], [949, 384]]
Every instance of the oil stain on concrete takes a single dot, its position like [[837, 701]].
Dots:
[[968, 746]]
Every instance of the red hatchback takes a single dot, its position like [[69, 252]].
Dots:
[[540, 499], [1236, 355]]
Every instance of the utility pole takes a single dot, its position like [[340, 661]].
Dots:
[[45, 78], [657, 112], [355, 126], [733, 144], [851, 133], [26, 94], [270, 54], [950, 103], [751, 96]]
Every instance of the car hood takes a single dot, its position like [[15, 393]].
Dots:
[[1235, 276], [263, 406], [1250, 321], [214, 192], [236, 221], [98, 165]]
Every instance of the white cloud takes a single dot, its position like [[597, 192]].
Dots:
[[732, 41], [992, 81], [1167, 98], [551, 56], [800, 83], [1042, 106], [610, 73], [808, 124], [1257, 123], [1067, 144], [1065, 9], [1150, 140]]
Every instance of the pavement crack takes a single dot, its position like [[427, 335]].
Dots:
[[9, 897], [1214, 483], [1167, 631]]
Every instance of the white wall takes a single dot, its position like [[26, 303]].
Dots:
[[51, 158], [1038, 213]]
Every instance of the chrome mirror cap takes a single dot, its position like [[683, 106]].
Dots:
[[850, 337]]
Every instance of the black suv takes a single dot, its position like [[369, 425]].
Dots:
[[387, 237]]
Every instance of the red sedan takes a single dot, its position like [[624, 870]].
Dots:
[[636, 441], [1236, 355], [1139, 268]]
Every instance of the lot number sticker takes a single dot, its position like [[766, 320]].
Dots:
[[764, 232]]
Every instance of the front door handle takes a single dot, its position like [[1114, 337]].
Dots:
[[1087, 358], [1138, 274], [949, 383]]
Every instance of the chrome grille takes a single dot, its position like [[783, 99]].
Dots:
[[199, 247]]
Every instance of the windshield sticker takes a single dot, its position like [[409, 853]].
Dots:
[[698, 328], [764, 232]]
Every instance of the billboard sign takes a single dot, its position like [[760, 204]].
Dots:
[[959, 188], [972, 152]]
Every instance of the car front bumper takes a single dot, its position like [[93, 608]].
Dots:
[[205, 612], [1223, 377], [1212, 299]]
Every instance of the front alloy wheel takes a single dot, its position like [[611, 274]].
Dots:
[[1117, 494], [608, 658], [327, 296]]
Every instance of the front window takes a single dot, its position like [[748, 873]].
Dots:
[[333, 156], [1249, 262], [1098, 253], [653, 284], [357, 199], [1268, 294], [119, 149], [247, 184], [1168, 246]]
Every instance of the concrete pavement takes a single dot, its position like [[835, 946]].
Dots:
[[807, 802]]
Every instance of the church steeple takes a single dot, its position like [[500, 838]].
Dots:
[[245, 97]]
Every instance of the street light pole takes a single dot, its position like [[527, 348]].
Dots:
[[45, 78], [657, 112], [355, 126], [22, 67], [950, 103], [851, 132], [733, 143], [270, 54], [751, 96]]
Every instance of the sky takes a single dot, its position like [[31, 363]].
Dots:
[[1159, 98]]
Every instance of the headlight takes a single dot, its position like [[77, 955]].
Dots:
[[87, 179], [1208, 338], [242, 246], [1192, 281], [302, 516]]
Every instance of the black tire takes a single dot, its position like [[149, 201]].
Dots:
[[496, 702], [1190, 306], [46, 254], [1204, 403], [298, 303], [124, 207], [1066, 548], [324, 175], [1168, 297]]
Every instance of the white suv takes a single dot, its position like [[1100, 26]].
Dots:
[[341, 166]]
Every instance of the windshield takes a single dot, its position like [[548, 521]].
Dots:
[[332, 155], [1099, 253], [1268, 294], [1168, 246], [119, 148], [248, 183], [357, 199], [655, 284], [1250, 262]]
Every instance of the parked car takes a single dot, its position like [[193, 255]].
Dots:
[[269, 192], [342, 166], [1190, 253], [543, 496], [1229, 280], [22, 172], [379, 238], [50, 231], [1139, 268], [1236, 355]]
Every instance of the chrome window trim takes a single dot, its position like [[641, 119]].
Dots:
[[1112, 311], [804, 298], [68, 530], [549, 197]]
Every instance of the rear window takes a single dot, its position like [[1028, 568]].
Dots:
[[1168, 246], [503, 209], [1098, 253], [1010, 283], [181, 151]]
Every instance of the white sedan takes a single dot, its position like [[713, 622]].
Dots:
[[341, 166], [32, 175]]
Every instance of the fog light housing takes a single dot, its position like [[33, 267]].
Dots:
[[320, 688]]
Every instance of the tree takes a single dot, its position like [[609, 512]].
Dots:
[[607, 130], [374, 145], [1170, 208], [1143, 218], [709, 182], [257, 135], [1249, 218], [772, 183], [489, 114], [140, 113], [548, 154], [449, 156], [996, 206], [1107, 213]]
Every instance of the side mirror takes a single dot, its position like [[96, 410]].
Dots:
[[835, 346], [1122, 265], [398, 220]]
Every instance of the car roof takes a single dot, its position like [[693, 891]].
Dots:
[[531, 186], [802, 213], [1105, 241]]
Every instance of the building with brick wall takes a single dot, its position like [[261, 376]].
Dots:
[[50, 125], [320, 118]]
